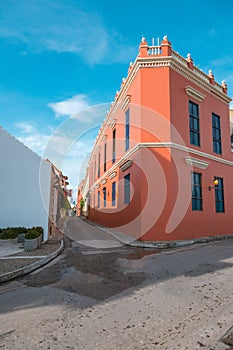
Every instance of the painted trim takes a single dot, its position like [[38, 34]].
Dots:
[[197, 79], [194, 162], [186, 149], [194, 93], [174, 62], [161, 145], [126, 165], [112, 175], [112, 126], [126, 102]]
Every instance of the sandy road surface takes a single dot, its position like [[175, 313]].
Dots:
[[122, 298]]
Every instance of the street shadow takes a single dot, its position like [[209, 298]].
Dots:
[[98, 275]]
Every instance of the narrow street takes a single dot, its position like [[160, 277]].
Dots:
[[101, 295]]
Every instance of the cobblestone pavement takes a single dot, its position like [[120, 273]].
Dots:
[[122, 298]]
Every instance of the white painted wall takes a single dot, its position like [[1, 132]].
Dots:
[[24, 185]]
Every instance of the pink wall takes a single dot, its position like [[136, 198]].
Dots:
[[160, 207]]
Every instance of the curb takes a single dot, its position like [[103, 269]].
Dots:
[[29, 268], [127, 240], [168, 244]]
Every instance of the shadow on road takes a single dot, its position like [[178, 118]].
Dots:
[[99, 274]]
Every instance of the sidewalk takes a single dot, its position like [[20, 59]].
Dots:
[[137, 243], [15, 261]]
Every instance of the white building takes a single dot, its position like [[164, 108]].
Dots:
[[25, 185]]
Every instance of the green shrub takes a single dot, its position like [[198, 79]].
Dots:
[[8, 233], [20, 229], [12, 232], [39, 229], [82, 203], [31, 234]]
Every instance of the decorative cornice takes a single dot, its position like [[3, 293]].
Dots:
[[152, 63], [126, 165], [179, 64], [126, 102], [197, 163], [112, 175], [183, 148], [175, 62], [198, 80], [113, 124], [194, 93], [104, 182]]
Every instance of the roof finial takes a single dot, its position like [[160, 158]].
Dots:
[[190, 61], [224, 87], [211, 77]]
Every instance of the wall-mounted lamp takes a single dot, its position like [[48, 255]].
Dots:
[[215, 182]]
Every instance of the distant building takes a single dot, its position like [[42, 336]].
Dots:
[[83, 198], [30, 187], [161, 168], [59, 205]]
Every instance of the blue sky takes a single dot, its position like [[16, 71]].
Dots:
[[61, 57]]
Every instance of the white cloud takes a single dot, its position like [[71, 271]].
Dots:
[[76, 159], [68, 153], [226, 60], [70, 106], [61, 26], [26, 128], [79, 108], [57, 143], [32, 138]]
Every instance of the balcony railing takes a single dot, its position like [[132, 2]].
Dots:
[[154, 50]]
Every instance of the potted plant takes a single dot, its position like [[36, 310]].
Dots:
[[31, 239], [8, 233], [40, 232], [21, 232]]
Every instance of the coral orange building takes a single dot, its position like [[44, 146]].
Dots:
[[161, 168]]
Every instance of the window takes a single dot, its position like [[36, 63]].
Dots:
[[113, 193], [127, 130], [196, 191], [105, 196], [99, 165], [127, 189], [114, 146], [219, 196], [94, 171], [98, 204], [216, 132], [194, 127], [105, 155]]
